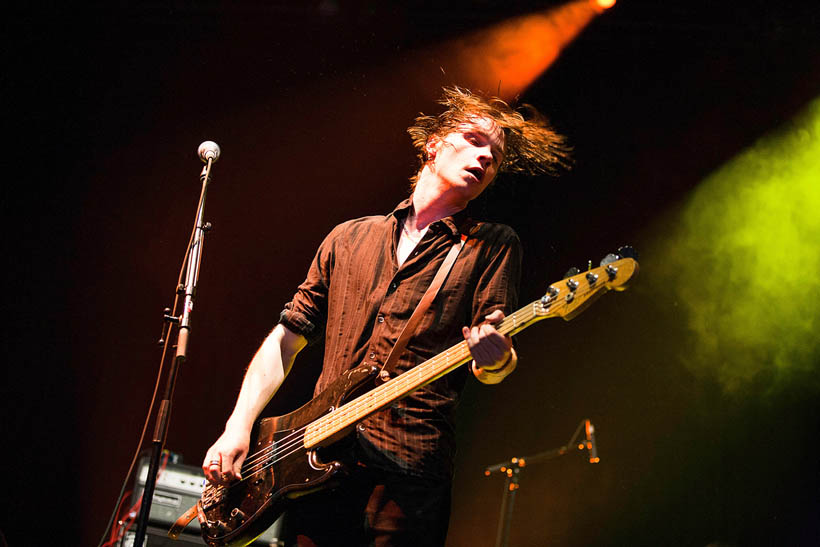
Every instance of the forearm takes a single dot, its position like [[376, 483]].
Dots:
[[265, 374], [268, 368]]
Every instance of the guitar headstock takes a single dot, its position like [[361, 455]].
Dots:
[[572, 295]]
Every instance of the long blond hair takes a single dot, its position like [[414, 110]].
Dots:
[[530, 145]]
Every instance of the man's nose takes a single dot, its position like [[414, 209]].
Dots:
[[485, 157]]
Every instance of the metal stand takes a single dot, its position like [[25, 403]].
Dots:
[[188, 289], [512, 470]]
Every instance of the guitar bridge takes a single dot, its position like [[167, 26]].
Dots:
[[212, 495]]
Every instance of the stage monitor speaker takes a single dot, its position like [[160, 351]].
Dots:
[[178, 488], [158, 537]]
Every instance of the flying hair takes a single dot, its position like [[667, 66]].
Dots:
[[531, 146]]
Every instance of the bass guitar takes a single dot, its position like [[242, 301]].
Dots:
[[292, 455]]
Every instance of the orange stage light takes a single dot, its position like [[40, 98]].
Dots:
[[605, 4], [507, 57]]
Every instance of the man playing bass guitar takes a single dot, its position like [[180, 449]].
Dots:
[[366, 279]]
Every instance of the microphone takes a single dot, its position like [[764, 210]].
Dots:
[[591, 446], [208, 150]]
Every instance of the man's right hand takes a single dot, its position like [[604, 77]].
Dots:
[[223, 461]]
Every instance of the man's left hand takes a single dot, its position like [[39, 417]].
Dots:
[[490, 349]]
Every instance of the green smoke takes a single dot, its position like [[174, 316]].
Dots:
[[745, 261]]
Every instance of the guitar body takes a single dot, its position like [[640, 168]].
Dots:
[[279, 468]]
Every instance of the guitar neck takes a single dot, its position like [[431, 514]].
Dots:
[[445, 362], [566, 298]]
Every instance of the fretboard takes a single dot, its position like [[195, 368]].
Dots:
[[359, 408], [566, 298]]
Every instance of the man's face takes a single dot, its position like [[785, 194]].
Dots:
[[467, 159]]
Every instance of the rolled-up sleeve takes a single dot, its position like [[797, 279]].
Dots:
[[306, 313]]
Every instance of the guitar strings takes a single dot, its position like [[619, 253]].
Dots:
[[293, 442], [405, 382], [278, 451], [461, 351], [343, 414]]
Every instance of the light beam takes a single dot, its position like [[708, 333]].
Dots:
[[506, 58], [745, 263]]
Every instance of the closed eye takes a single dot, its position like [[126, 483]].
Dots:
[[478, 139]]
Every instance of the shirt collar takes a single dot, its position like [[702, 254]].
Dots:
[[458, 223]]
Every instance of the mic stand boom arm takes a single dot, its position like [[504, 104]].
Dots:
[[511, 469], [188, 288]]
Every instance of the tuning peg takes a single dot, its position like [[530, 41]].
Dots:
[[623, 252], [572, 271], [611, 271], [609, 259]]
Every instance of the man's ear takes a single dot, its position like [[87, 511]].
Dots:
[[432, 147]]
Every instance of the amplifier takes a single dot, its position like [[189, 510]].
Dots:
[[178, 488], [158, 537]]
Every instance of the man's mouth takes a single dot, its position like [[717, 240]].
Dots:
[[477, 172]]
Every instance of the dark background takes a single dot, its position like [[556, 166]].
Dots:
[[104, 108]]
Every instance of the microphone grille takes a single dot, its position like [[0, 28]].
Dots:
[[208, 150]]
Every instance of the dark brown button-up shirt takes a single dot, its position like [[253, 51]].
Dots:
[[359, 299]]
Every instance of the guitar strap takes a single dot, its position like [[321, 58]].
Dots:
[[424, 303], [189, 515]]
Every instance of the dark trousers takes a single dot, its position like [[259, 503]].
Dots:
[[371, 508]]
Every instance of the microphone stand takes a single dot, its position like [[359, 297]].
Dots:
[[188, 288], [511, 469]]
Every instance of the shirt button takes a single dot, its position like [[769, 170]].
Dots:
[[381, 319], [361, 428]]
